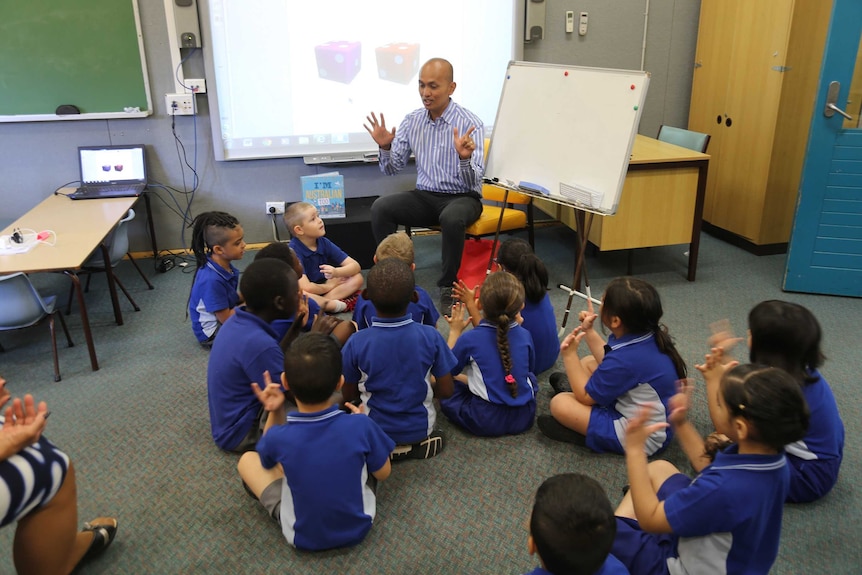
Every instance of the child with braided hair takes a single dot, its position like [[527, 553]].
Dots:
[[498, 359], [217, 240], [638, 365]]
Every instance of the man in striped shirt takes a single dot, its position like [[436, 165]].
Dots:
[[447, 141]]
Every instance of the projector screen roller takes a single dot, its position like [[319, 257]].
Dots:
[[298, 78]]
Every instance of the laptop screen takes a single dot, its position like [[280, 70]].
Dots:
[[112, 164]]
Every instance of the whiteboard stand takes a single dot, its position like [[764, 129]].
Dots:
[[584, 223]]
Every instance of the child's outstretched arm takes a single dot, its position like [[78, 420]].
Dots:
[[713, 370], [350, 391], [688, 436], [444, 386], [649, 511], [222, 315], [575, 371], [272, 399], [595, 341], [458, 322], [722, 337], [467, 296]]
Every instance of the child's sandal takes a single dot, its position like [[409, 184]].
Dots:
[[103, 536]]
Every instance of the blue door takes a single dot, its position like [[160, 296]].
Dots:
[[825, 253]]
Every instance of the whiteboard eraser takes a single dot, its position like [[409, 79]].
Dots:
[[531, 187]]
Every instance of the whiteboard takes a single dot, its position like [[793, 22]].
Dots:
[[567, 129]]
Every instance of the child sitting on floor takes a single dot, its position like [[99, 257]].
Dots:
[[333, 276], [728, 519], [246, 347], [638, 365], [787, 335], [398, 245], [390, 365], [572, 528], [217, 240], [340, 329], [315, 470], [497, 357], [516, 257]]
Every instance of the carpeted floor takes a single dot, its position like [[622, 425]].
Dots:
[[138, 433]]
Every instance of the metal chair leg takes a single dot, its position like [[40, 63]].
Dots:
[[65, 330], [134, 263], [128, 295], [54, 347]]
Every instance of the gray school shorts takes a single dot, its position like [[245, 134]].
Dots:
[[271, 499]]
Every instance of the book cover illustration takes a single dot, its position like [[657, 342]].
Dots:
[[326, 193]]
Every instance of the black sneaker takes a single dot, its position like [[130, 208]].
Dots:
[[446, 301], [425, 449], [555, 430], [559, 382]]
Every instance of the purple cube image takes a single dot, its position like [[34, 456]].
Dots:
[[106, 168], [397, 62], [338, 61]]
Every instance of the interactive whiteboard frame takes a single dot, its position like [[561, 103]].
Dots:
[[566, 132]]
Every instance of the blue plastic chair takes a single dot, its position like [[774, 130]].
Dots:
[[21, 306], [684, 138]]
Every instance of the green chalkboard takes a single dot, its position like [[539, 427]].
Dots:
[[85, 53]]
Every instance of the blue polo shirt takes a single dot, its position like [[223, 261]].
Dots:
[[816, 459], [246, 346], [393, 361], [327, 457], [634, 372], [424, 311], [478, 357], [215, 289], [540, 321], [327, 253], [611, 566], [728, 520]]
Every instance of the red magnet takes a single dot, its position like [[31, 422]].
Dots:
[[566, 73], [633, 86]]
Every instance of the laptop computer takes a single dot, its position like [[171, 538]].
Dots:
[[111, 172]]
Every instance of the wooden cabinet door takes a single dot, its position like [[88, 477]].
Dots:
[[709, 82], [758, 56]]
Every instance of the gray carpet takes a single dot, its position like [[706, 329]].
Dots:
[[138, 433]]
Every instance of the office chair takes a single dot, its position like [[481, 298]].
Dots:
[[117, 243], [684, 139], [21, 306]]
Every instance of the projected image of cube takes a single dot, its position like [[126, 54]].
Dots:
[[338, 61], [397, 62]]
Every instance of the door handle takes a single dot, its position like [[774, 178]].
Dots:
[[831, 98]]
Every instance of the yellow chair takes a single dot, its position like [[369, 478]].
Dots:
[[513, 219], [493, 205]]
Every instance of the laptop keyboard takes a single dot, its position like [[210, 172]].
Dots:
[[106, 191]]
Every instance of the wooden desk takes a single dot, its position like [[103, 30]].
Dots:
[[661, 203], [80, 226]]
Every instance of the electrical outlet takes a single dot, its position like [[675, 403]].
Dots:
[[180, 104], [195, 86], [275, 207]]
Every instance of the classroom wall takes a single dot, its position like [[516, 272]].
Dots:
[[38, 157]]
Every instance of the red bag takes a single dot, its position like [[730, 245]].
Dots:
[[474, 261]]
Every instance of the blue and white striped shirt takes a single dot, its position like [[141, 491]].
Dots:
[[438, 166]]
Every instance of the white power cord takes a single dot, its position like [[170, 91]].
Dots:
[[22, 240]]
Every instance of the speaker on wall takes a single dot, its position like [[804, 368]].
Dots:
[[187, 25], [534, 28]]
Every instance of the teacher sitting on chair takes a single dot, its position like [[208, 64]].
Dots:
[[448, 143]]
